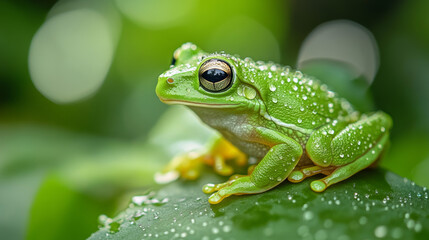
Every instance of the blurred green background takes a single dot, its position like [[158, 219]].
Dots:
[[69, 153]]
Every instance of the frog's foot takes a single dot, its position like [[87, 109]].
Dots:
[[239, 186], [221, 150], [299, 175], [221, 167], [187, 166]]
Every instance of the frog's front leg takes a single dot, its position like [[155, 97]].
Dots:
[[347, 147], [275, 167], [216, 154]]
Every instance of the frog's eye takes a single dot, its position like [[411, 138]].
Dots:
[[215, 75], [173, 61]]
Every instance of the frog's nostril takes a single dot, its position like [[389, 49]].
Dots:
[[170, 80]]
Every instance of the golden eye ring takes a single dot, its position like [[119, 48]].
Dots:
[[215, 75]]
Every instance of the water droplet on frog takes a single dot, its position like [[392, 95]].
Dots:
[[274, 100], [341, 155], [299, 120], [249, 93], [273, 88]]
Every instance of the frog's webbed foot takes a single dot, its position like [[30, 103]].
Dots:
[[189, 165]]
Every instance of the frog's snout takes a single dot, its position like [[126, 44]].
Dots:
[[164, 86], [170, 80]]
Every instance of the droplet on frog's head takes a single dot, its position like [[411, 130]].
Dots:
[[249, 93]]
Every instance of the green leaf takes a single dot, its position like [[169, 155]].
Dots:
[[372, 204], [60, 212]]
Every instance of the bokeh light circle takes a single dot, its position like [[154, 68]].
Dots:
[[344, 41], [70, 55], [156, 14]]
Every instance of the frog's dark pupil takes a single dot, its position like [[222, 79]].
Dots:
[[214, 75], [173, 61]]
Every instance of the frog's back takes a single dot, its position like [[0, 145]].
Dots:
[[297, 102]]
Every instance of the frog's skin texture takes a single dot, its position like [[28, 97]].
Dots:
[[291, 124]]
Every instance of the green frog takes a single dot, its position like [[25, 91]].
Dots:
[[278, 121]]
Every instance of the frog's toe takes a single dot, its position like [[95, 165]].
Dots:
[[318, 186], [221, 167], [217, 197], [209, 188], [190, 174], [296, 176]]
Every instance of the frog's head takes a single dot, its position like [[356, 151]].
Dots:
[[198, 79]]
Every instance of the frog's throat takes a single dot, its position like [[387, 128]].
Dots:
[[198, 104]]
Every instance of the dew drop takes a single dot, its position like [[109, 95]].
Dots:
[[273, 88]]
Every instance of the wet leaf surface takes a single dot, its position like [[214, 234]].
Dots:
[[373, 204]]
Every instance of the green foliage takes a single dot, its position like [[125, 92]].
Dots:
[[60, 211], [372, 204]]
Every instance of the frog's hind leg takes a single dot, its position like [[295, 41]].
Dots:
[[350, 169], [348, 147], [303, 173]]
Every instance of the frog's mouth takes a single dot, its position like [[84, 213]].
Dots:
[[198, 104]]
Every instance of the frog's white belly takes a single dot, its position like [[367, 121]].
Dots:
[[251, 149], [235, 128]]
